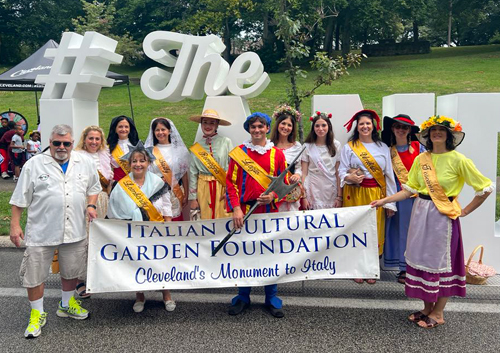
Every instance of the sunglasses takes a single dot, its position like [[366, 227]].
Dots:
[[402, 127], [59, 143]]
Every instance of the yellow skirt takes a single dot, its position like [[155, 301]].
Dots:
[[360, 196], [211, 198]]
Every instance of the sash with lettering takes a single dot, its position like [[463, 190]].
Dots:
[[165, 170], [398, 166], [436, 192], [103, 180], [251, 167], [209, 162], [370, 163], [140, 198], [117, 154], [314, 154]]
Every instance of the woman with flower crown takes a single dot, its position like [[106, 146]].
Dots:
[[283, 136], [366, 172], [320, 164], [434, 250]]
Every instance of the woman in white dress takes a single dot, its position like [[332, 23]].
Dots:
[[284, 136], [172, 162], [320, 164]]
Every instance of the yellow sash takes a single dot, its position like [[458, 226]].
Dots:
[[398, 166], [103, 180], [117, 154], [370, 163], [252, 167], [436, 192], [140, 199], [209, 162], [165, 170]]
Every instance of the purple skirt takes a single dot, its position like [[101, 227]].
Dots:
[[431, 286]]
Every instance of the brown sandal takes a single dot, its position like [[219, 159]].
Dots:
[[430, 322], [417, 316]]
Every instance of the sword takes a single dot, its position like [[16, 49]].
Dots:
[[278, 186]]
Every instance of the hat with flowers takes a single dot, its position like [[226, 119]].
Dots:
[[439, 120], [320, 114], [288, 110]]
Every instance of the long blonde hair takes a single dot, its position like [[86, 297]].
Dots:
[[85, 132]]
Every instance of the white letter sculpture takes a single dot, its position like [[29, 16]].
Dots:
[[75, 81], [199, 69]]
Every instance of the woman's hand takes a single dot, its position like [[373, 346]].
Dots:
[[305, 204], [194, 205], [354, 177], [339, 202], [294, 178], [377, 203], [389, 213]]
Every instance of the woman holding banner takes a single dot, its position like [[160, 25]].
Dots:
[[141, 196], [122, 133], [207, 169], [434, 251], [366, 170], [283, 136], [399, 134], [320, 165], [93, 144], [172, 161]]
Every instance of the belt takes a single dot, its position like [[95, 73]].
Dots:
[[427, 197]]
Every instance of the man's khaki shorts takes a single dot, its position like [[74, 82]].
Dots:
[[38, 259]]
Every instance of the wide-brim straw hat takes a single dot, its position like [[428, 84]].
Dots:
[[210, 113], [453, 126], [402, 119]]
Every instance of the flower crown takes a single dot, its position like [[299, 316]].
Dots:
[[323, 115], [286, 109], [448, 123]]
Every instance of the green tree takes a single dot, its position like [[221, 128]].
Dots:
[[99, 17]]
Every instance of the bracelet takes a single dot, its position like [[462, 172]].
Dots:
[[93, 206]]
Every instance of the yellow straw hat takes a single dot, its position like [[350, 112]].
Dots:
[[209, 113]]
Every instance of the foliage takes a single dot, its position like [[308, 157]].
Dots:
[[99, 17]]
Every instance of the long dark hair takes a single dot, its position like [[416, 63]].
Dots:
[[112, 139], [375, 136], [275, 134], [330, 137], [450, 140], [165, 123]]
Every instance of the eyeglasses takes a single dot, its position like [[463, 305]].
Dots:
[[402, 127], [58, 143]]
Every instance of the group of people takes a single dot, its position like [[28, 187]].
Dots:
[[14, 150], [119, 177]]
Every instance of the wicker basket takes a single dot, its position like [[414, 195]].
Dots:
[[474, 279]]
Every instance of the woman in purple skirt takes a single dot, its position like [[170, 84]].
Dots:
[[434, 251]]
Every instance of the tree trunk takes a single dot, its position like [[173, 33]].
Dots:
[[226, 54], [449, 23], [346, 36], [337, 35], [328, 43], [415, 31]]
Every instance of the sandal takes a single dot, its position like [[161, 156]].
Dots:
[[81, 293], [371, 281], [430, 322], [358, 280], [402, 277], [417, 316]]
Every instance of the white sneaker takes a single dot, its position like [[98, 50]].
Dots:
[[5, 175], [139, 306], [15, 179], [169, 305]]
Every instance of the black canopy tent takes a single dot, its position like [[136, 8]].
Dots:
[[22, 76]]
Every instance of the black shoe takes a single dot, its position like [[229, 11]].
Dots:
[[238, 308], [278, 313]]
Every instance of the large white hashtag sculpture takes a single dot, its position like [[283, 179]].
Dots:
[[80, 67]]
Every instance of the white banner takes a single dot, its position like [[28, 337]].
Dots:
[[271, 248]]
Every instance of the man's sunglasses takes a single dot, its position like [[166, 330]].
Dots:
[[58, 143]]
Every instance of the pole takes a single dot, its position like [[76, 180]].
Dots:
[[37, 110], [130, 100]]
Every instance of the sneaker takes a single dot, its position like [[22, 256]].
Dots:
[[169, 305], [5, 175], [139, 306], [15, 179], [37, 321], [73, 310]]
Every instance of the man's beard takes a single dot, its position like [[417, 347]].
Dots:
[[61, 156]]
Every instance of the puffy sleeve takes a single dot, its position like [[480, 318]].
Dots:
[[390, 181], [305, 155], [298, 164], [474, 178], [164, 205], [344, 163], [412, 185]]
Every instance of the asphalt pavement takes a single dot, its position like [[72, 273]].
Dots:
[[321, 316]]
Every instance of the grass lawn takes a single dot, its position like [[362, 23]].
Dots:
[[443, 71]]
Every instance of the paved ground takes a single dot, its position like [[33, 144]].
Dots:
[[7, 184], [321, 316]]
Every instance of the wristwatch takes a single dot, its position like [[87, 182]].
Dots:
[[93, 206]]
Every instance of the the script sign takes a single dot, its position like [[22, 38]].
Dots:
[[272, 248]]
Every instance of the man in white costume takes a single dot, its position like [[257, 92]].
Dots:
[[55, 188]]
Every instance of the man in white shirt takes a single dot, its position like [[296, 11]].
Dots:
[[55, 188]]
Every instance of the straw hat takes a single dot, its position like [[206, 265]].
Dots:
[[453, 126], [209, 113]]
